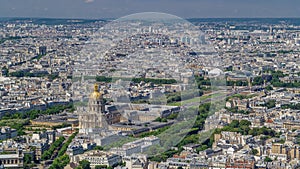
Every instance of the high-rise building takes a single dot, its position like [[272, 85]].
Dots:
[[42, 50]]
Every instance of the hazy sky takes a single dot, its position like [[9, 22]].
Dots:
[[118, 8]]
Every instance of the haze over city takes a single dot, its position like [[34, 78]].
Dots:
[[149, 84], [99, 9]]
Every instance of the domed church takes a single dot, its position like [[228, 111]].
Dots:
[[96, 116]]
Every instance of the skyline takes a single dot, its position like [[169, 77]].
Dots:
[[101, 9], [196, 84]]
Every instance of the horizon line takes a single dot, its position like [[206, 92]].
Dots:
[[65, 18]]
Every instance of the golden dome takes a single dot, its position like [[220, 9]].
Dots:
[[96, 94]]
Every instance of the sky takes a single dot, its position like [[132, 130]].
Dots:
[[99, 9]]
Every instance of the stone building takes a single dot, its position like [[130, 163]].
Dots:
[[96, 116], [97, 157], [12, 160]]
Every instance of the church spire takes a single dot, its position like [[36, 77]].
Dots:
[[96, 88], [96, 94]]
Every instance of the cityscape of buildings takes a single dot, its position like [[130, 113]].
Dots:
[[202, 93]]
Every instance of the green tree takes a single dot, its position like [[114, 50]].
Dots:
[[258, 81], [98, 148], [46, 155], [100, 166], [5, 71], [27, 158], [234, 124], [268, 159], [245, 123], [269, 88], [84, 164], [271, 104], [254, 151]]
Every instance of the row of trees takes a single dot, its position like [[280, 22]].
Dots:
[[204, 111], [63, 125], [155, 81], [192, 136], [180, 96], [237, 83], [2, 40], [32, 114], [282, 84], [63, 159], [103, 79], [273, 78], [243, 127], [200, 80], [164, 156], [137, 80], [257, 81], [236, 110], [19, 119], [291, 106], [240, 96], [66, 144], [154, 133], [18, 124], [60, 162], [172, 97], [48, 153], [170, 117], [23, 73]]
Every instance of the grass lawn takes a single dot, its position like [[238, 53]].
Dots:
[[196, 99]]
